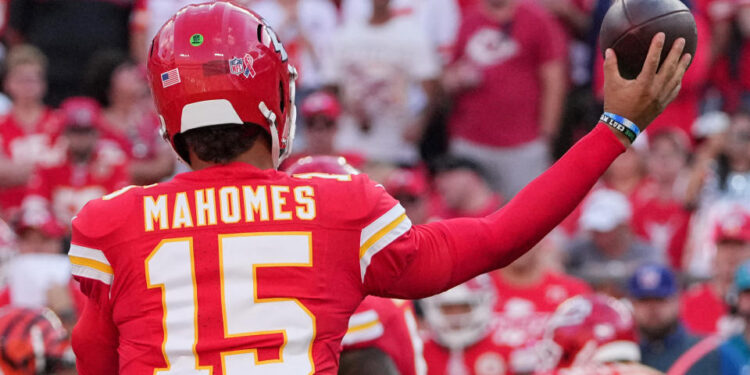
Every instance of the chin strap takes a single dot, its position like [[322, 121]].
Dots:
[[291, 120], [275, 147], [291, 123]]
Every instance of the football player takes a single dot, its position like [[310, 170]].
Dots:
[[592, 335], [236, 268], [459, 331]]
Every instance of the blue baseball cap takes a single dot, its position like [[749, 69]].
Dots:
[[653, 281], [742, 277]]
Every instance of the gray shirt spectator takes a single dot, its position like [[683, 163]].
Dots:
[[611, 252]]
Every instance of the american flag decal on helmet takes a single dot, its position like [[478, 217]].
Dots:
[[170, 78]]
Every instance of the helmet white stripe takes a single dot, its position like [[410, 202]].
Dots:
[[208, 113]]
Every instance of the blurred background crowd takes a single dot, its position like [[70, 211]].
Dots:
[[454, 106]]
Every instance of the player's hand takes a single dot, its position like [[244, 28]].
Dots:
[[642, 99]]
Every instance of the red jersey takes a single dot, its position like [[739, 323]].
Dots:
[[482, 358], [38, 146], [702, 310], [67, 188], [277, 267], [523, 313], [235, 270], [390, 326], [503, 111], [663, 223]]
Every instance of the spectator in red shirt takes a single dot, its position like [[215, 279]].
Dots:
[[28, 133], [508, 81], [660, 213], [704, 310], [94, 166], [128, 117]]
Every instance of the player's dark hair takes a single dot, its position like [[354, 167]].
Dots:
[[367, 361], [219, 144]]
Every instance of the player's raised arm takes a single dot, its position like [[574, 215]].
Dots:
[[452, 252]]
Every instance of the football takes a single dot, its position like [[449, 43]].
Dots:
[[630, 25]]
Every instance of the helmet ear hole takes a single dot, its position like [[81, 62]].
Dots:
[[282, 96], [260, 33]]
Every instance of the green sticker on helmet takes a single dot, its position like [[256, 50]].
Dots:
[[196, 40]]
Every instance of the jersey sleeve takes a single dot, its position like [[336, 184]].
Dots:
[[90, 265], [95, 338], [381, 255]]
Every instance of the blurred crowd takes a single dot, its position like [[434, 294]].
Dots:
[[454, 106]]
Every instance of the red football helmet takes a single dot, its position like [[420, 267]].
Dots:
[[322, 164], [586, 330], [218, 63]]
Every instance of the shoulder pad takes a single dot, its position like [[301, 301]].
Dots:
[[100, 217]]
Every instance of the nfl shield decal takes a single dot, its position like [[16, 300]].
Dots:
[[235, 66]]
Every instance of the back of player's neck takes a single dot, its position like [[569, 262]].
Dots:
[[259, 156]]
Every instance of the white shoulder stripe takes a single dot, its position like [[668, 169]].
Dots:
[[380, 223], [364, 326], [401, 225], [362, 318], [91, 273], [88, 253]]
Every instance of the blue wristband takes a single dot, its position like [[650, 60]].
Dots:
[[622, 120]]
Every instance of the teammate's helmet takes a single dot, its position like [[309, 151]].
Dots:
[[590, 329], [218, 63], [461, 316], [322, 164], [33, 342]]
